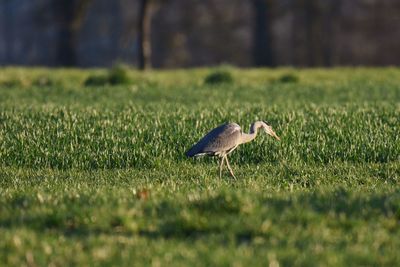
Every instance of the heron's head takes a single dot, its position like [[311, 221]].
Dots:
[[268, 130]]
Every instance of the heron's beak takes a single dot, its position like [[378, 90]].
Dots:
[[277, 137], [273, 134]]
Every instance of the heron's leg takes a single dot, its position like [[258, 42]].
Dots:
[[220, 167], [229, 167]]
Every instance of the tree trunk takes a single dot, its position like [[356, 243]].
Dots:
[[8, 33], [262, 36], [69, 15], [310, 24], [66, 47], [144, 31], [331, 21]]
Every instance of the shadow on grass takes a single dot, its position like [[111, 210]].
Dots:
[[226, 214]]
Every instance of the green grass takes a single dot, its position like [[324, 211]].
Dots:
[[97, 175]]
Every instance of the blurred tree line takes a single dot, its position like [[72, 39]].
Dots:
[[185, 33]]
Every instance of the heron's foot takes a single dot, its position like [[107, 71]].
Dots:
[[229, 168], [220, 168], [231, 174], [234, 177]]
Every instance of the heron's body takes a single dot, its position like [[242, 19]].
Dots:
[[218, 142], [224, 139]]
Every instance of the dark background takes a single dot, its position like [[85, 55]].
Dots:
[[187, 33]]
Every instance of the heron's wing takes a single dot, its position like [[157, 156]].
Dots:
[[220, 139]]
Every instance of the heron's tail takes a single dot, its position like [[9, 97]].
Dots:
[[194, 151], [190, 153]]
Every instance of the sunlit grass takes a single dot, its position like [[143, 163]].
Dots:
[[97, 175]]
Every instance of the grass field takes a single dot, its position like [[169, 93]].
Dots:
[[96, 175]]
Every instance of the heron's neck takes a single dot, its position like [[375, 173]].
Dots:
[[247, 137]]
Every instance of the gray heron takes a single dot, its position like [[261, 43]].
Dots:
[[224, 139]]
